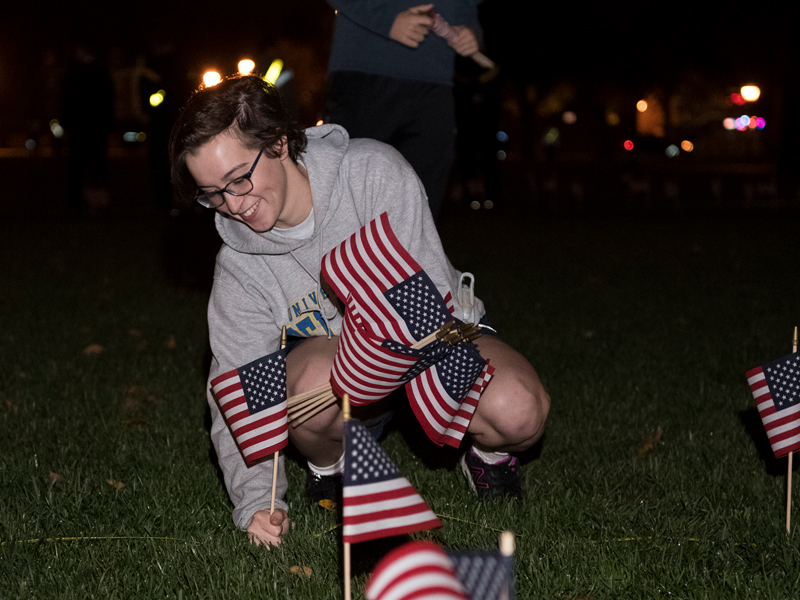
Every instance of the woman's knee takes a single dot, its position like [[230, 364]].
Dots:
[[516, 414], [309, 365]]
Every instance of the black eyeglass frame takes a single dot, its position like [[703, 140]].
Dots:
[[204, 198]]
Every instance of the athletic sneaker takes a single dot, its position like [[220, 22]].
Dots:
[[324, 489], [492, 481]]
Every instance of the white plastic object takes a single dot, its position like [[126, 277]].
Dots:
[[466, 297]]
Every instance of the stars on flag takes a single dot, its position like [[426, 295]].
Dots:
[[367, 460], [419, 304], [264, 382], [782, 378]]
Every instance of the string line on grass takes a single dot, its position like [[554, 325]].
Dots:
[[438, 515], [671, 539], [338, 525], [90, 538]]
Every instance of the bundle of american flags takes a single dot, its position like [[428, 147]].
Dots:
[[391, 306]]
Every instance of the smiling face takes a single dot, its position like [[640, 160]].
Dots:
[[281, 196]]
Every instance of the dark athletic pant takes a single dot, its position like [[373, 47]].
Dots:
[[415, 117]]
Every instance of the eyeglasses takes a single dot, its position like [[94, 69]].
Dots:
[[241, 186]]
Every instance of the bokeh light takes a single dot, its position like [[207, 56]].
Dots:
[[56, 129], [211, 78], [628, 145], [246, 66], [760, 123], [550, 136], [569, 117], [274, 71], [729, 124], [320, 122], [672, 151], [687, 146], [157, 98], [641, 106], [737, 99], [134, 136], [502, 136], [612, 119], [750, 93]]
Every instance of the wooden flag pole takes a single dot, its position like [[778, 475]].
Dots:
[[321, 389], [507, 547], [789, 472], [346, 545], [301, 416], [507, 543], [275, 456]]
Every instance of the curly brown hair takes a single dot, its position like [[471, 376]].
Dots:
[[249, 105]]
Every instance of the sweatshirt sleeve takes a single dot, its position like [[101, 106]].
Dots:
[[240, 331], [390, 185]]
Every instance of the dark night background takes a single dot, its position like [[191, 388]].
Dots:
[[594, 60]]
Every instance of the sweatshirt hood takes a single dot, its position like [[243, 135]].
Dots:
[[326, 148]]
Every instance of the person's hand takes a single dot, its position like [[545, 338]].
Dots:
[[464, 41], [411, 26], [268, 528]]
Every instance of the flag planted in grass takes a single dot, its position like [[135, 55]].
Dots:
[[252, 399], [418, 571], [776, 389], [485, 575], [377, 500]]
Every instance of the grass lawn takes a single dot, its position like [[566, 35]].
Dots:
[[654, 479]]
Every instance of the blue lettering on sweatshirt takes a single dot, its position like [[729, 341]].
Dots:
[[305, 318]]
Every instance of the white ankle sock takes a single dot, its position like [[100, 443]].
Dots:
[[491, 458], [336, 468]]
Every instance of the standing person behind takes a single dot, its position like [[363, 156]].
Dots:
[[390, 78], [284, 198], [87, 114]]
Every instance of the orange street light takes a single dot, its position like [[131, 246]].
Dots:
[[246, 66], [211, 78], [751, 93]]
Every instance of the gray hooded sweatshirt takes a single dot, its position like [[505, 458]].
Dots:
[[263, 282]]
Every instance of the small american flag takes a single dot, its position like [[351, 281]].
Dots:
[[486, 575], [445, 396], [252, 399], [377, 501], [776, 389], [374, 268], [418, 571]]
